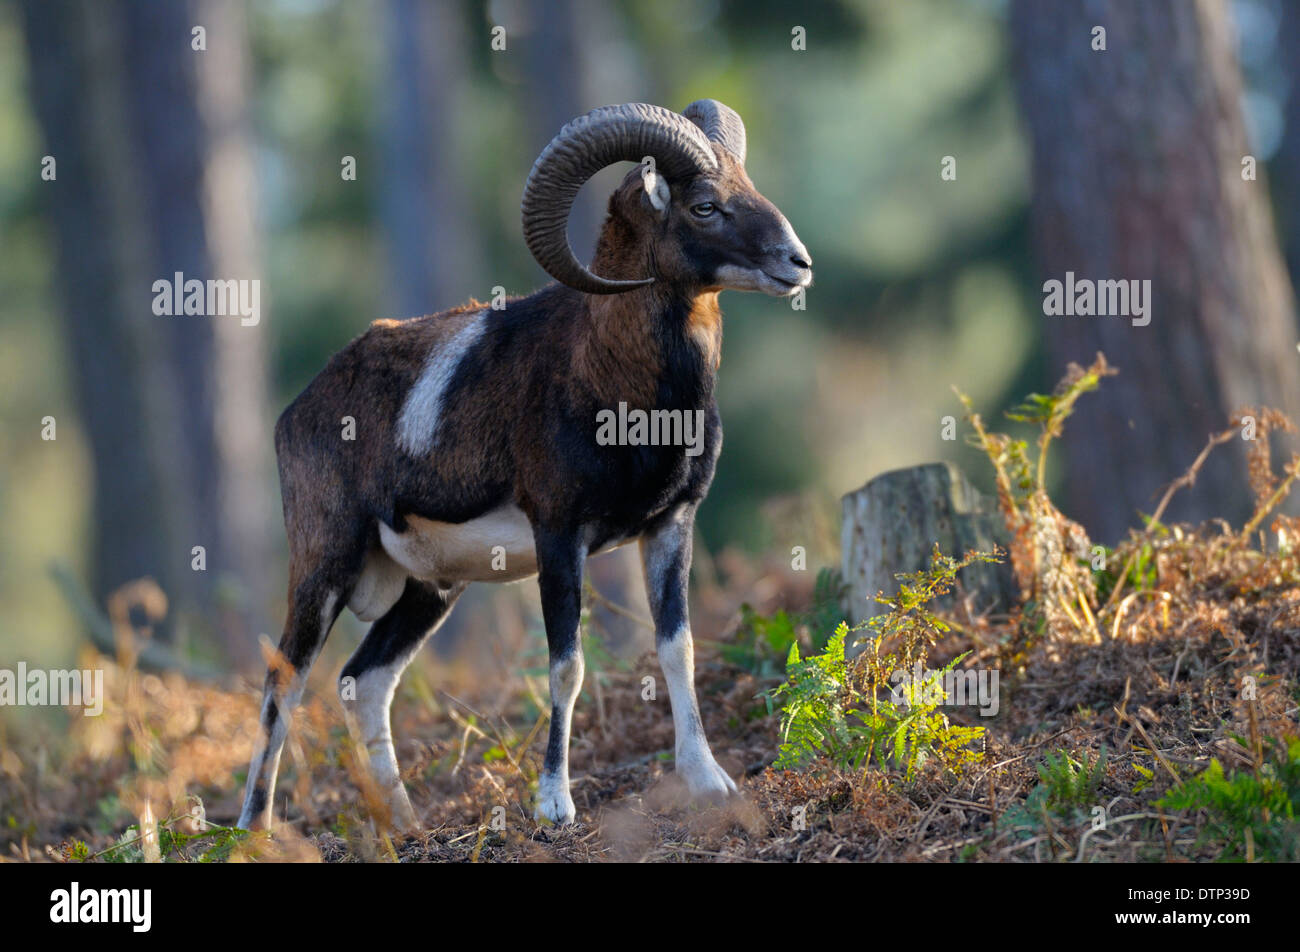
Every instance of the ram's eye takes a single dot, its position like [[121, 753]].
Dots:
[[703, 210]]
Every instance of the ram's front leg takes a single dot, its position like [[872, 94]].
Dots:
[[560, 561], [666, 557]]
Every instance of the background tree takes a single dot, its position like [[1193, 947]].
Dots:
[[1286, 181], [1137, 170], [170, 405], [431, 236]]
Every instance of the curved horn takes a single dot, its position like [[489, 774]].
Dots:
[[720, 123], [582, 148]]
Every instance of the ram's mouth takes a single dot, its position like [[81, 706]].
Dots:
[[783, 287], [738, 278]]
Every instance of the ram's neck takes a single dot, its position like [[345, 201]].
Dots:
[[651, 346]]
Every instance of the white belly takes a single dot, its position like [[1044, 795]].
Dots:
[[497, 547]]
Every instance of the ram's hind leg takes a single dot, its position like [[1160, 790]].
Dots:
[[315, 601], [370, 678]]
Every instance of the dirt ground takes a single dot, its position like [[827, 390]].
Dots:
[[1160, 690]]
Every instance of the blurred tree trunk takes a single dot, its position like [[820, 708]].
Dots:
[[1137, 160], [433, 240], [114, 87], [1286, 184], [566, 56], [246, 502], [557, 95]]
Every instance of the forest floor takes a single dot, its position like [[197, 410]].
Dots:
[[1161, 699]]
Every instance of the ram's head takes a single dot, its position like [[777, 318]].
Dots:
[[687, 216]]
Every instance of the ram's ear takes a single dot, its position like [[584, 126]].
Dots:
[[656, 187]]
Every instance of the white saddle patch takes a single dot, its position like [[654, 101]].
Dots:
[[417, 426]]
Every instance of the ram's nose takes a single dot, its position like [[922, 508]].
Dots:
[[794, 257], [797, 262], [800, 258]]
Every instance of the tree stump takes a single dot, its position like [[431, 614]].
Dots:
[[892, 524]]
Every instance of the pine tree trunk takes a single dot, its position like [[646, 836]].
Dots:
[[1137, 164], [247, 505], [432, 237], [1286, 184], [115, 90]]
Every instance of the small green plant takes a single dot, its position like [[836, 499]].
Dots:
[[1252, 814], [1141, 575], [212, 844], [762, 642], [924, 731], [1072, 783], [851, 711], [814, 719], [1065, 787], [827, 606], [1049, 552]]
